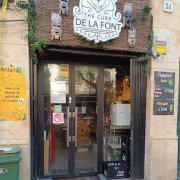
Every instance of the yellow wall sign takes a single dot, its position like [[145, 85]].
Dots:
[[13, 93], [3, 8], [160, 47]]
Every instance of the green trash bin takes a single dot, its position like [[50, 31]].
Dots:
[[9, 163]]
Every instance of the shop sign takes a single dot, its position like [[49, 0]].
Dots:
[[160, 47], [164, 93], [97, 20], [58, 118], [13, 93]]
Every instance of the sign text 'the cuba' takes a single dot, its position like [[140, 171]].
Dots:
[[97, 20]]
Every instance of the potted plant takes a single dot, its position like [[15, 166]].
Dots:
[[38, 47]]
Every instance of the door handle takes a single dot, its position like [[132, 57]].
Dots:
[[76, 127], [74, 115], [67, 136]]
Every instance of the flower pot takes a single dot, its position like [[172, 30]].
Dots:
[[41, 54]]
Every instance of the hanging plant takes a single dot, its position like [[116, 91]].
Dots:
[[148, 56], [37, 45], [142, 13]]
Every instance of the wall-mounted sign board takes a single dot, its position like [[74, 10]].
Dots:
[[97, 21], [13, 93], [161, 47], [164, 93]]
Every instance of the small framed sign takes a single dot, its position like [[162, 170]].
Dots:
[[164, 93], [57, 108], [58, 118], [161, 47]]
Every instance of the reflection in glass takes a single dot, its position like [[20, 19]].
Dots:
[[86, 80], [116, 92], [86, 121], [56, 88]]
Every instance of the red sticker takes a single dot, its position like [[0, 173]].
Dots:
[[58, 118]]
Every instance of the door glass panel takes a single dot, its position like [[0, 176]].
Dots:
[[86, 119], [56, 116], [116, 114]]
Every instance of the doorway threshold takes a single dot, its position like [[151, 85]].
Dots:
[[72, 178], [102, 177], [77, 178]]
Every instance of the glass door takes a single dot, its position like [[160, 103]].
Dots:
[[86, 119], [70, 119], [56, 119]]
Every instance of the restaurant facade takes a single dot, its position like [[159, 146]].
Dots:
[[103, 97]]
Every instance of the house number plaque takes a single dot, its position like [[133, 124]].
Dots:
[[97, 20]]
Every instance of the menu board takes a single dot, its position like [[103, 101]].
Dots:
[[164, 93]]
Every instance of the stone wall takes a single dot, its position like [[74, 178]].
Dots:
[[14, 51], [161, 130]]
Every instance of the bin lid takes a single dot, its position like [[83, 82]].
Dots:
[[9, 154]]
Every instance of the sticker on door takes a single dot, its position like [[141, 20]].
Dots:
[[58, 118]]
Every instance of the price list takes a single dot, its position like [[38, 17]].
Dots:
[[164, 93]]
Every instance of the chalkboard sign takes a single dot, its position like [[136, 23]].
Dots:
[[164, 93]]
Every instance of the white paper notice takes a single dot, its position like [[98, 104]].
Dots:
[[58, 87], [58, 98]]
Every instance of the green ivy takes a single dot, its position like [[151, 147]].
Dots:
[[36, 44], [147, 57], [142, 13]]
